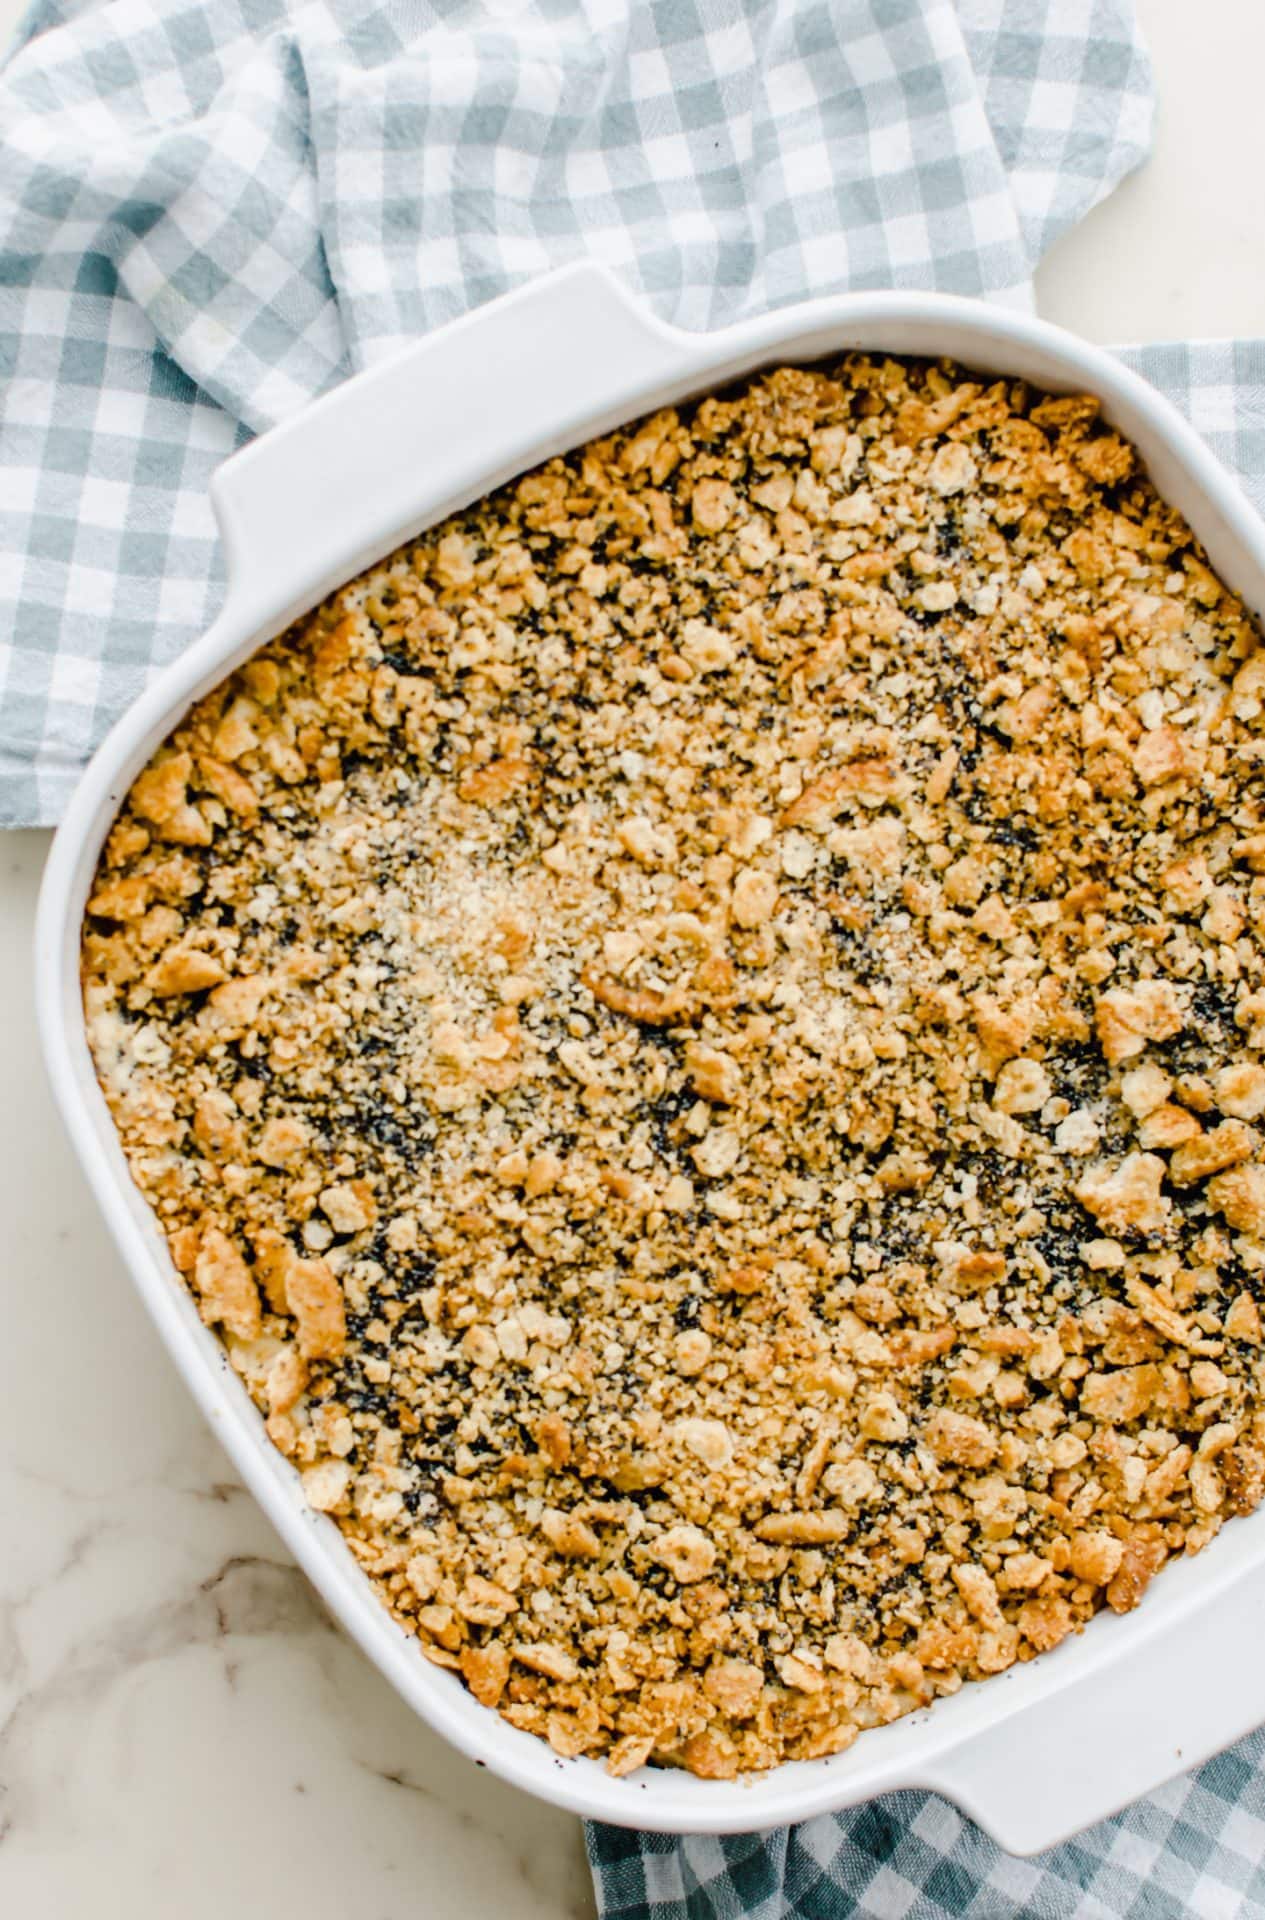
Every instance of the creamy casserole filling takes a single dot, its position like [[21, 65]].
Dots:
[[698, 1035]]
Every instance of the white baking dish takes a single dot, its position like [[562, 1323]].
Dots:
[[1033, 1754]]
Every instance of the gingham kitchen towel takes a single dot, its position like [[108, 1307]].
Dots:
[[1193, 1851], [210, 210]]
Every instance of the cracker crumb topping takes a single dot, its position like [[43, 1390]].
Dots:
[[698, 1034]]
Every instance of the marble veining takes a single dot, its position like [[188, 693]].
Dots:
[[181, 1725]]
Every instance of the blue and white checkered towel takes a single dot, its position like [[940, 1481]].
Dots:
[[210, 210]]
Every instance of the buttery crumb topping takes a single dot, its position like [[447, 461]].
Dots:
[[699, 1034]]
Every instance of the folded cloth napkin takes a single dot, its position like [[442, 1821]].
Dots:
[[1193, 1851], [210, 210]]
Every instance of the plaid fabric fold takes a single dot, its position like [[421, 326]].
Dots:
[[210, 210], [1195, 1848]]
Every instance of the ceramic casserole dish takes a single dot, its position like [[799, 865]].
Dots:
[[1045, 1748]]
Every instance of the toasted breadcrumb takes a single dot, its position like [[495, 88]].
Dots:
[[697, 1031]]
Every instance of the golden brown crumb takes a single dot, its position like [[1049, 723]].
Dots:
[[698, 1032]]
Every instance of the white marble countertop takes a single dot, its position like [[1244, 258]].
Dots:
[[180, 1727]]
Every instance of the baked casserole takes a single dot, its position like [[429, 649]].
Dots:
[[699, 1034]]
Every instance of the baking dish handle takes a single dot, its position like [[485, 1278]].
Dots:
[[1157, 1709], [431, 427]]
